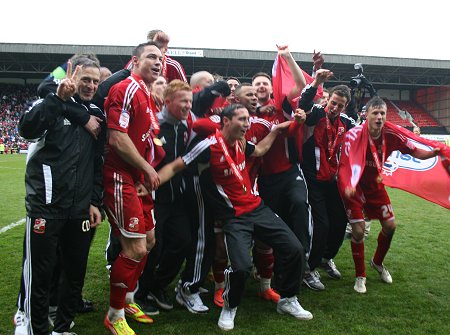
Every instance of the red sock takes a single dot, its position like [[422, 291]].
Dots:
[[139, 270], [218, 268], [123, 272], [264, 261], [358, 258], [384, 243]]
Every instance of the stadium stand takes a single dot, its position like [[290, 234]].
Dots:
[[419, 116], [13, 100]]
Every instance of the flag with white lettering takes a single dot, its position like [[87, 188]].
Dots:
[[428, 179]]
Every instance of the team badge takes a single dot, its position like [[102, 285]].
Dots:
[[39, 226], [124, 119], [133, 225]]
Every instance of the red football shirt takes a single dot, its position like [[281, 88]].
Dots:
[[229, 189], [394, 141], [128, 107]]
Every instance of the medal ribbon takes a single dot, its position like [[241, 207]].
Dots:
[[230, 161], [153, 121], [330, 132], [373, 149]]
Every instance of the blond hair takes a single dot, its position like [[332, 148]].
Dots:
[[175, 86]]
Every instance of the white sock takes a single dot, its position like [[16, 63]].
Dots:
[[129, 298], [264, 284], [55, 333], [219, 285], [115, 314]]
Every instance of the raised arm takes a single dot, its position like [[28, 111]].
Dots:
[[297, 74], [307, 98], [425, 154]]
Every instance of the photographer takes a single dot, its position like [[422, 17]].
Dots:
[[359, 85]]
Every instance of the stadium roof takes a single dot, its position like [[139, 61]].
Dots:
[[35, 61]]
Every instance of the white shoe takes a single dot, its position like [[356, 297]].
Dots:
[[22, 323], [360, 285], [292, 306], [312, 280], [330, 268], [192, 302], [226, 319], [382, 271]]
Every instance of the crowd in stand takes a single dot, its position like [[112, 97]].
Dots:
[[14, 100]]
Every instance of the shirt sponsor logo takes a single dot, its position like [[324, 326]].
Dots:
[[39, 226], [124, 119], [67, 122], [133, 224], [145, 135], [229, 172]]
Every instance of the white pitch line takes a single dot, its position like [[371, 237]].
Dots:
[[12, 225]]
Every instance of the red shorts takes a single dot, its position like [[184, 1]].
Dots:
[[375, 203], [128, 214]]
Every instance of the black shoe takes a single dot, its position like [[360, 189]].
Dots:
[[160, 297], [147, 306], [85, 306]]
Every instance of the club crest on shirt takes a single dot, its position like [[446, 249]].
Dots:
[[39, 226], [124, 119], [133, 224]]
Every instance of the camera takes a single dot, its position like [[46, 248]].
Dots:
[[358, 81]]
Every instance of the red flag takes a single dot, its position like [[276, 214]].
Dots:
[[282, 81], [428, 179]]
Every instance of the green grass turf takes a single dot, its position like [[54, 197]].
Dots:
[[418, 301]]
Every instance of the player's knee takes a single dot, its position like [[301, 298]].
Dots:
[[137, 251], [358, 231], [150, 243], [389, 227]]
